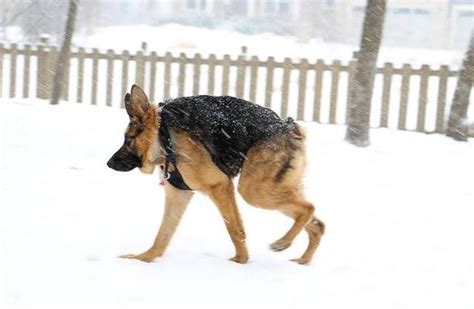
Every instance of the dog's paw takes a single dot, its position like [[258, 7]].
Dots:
[[301, 261], [279, 245], [144, 257], [240, 259]]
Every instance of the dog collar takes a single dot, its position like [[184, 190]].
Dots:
[[171, 175]]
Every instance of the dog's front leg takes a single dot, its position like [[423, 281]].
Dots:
[[176, 202], [223, 196]]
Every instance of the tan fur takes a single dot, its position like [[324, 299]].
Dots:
[[262, 164], [260, 185], [200, 173], [146, 142]]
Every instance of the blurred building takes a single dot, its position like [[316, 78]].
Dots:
[[421, 23], [409, 23]]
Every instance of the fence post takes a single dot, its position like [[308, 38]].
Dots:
[[442, 87], [140, 68], [45, 68], [423, 98], [40, 72], [125, 57], [336, 68], [387, 85], [95, 75], [196, 73], [26, 71], [51, 69], [80, 73], [153, 59], [110, 76], [303, 68], [241, 72], [181, 74], [167, 76], [211, 74], [405, 88], [240, 83], [285, 87], [13, 53], [253, 78], [318, 88], [225, 74], [269, 83]]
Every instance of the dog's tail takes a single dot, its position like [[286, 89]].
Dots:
[[295, 150], [296, 131]]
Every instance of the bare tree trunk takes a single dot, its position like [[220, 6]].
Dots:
[[359, 111], [457, 123], [63, 58]]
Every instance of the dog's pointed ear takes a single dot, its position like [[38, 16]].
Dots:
[[128, 104], [136, 103]]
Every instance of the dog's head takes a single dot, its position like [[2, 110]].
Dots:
[[140, 147]]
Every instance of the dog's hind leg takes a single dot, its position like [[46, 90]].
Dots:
[[301, 211], [175, 204], [271, 178], [315, 229]]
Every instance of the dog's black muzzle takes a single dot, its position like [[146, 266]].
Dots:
[[124, 161]]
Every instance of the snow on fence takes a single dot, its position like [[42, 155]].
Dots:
[[406, 98]]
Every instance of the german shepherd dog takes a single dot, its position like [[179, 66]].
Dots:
[[200, 143]]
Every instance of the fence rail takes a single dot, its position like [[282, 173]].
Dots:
[[408, 98]]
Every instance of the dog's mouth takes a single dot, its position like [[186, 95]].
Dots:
[[125, 164], [147, 169]]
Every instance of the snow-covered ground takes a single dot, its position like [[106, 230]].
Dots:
[[398, 214]]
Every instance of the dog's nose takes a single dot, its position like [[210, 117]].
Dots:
[[110, 163]]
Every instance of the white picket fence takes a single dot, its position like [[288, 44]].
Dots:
[[405, 98]]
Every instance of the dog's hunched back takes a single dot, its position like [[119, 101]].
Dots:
[[227, 126]]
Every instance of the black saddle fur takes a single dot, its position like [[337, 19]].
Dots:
[[227, 126]]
